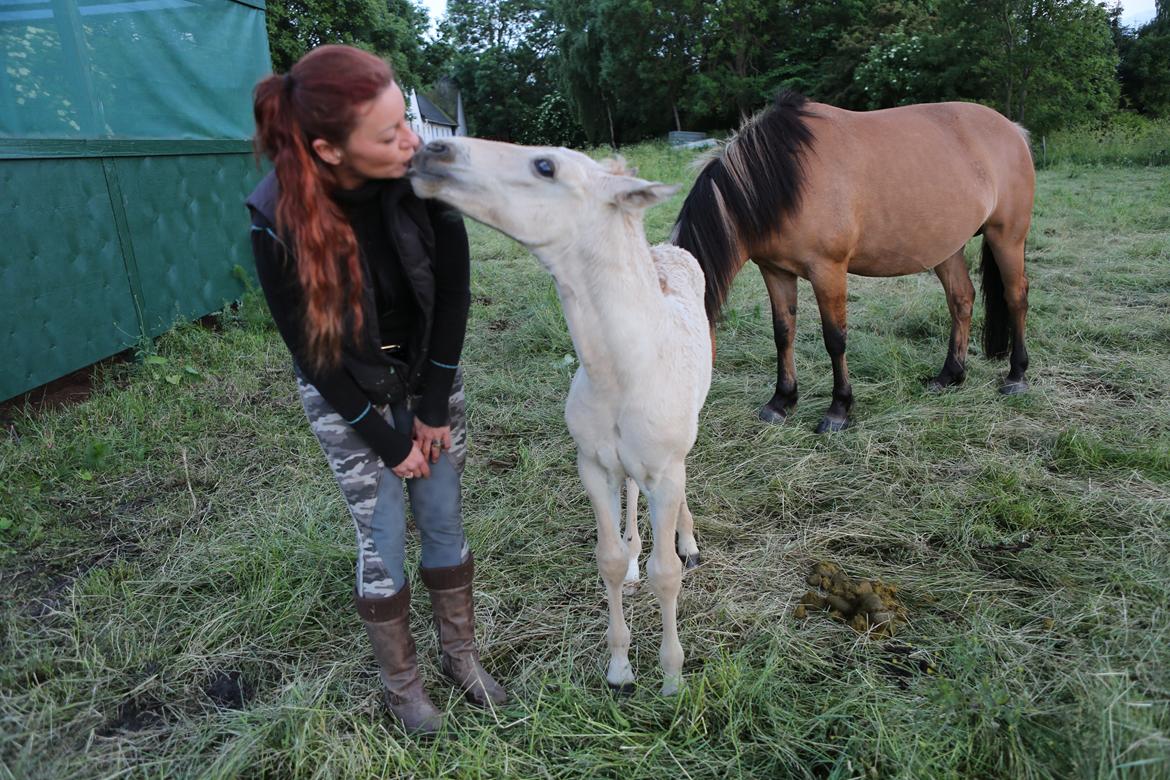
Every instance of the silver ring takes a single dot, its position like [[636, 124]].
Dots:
[[437, 444]]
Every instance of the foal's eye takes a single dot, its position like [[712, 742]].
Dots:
[[544, 167]]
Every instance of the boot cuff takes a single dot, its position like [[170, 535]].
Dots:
[[380, 610], [449, 577]]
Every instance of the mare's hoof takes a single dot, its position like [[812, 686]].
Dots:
[[671, 686], [1014, 388], [938, 384], [691, 561], [624, 690], [831, 425], [770, 414]]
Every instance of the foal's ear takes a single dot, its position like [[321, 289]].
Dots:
[[629, 192]]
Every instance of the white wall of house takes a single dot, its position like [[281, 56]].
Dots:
[[425, 130], [429, 132]]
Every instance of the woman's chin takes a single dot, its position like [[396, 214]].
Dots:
[[398, 171]]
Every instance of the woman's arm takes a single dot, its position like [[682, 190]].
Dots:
[[274, 268], [452, 302]]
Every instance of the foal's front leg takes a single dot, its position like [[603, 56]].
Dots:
[[603, 488]]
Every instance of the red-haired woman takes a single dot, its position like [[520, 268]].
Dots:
[[369, 287]]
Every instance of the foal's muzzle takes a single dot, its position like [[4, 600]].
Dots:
[[430, 160]]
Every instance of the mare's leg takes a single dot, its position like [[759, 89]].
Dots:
[[664, 569], [1008, 248], [829, 287], [956, 282], [604, 489], [688, 548], [632, 539], [782, 292]]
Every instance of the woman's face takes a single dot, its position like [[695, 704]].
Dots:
[[380, 146]]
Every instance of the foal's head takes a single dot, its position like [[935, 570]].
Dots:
[[543, 197]]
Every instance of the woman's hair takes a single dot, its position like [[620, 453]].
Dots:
[[318, 98]]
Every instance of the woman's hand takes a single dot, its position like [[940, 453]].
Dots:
[[414, 465], [431, 441]]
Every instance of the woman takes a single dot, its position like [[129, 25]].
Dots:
[[368, 286]]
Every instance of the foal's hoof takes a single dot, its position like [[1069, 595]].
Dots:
[[625, 690], [1014, 387], [692, 561], [832, 425]]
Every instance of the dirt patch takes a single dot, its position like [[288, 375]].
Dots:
[[134, 714], [903, 663], [72, 388], [44, 583], [214, 321], [868, 606], [1006, 547], [1101, 387], [229, 690], [502, 464]]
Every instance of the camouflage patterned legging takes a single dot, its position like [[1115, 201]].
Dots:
[[374, 493]]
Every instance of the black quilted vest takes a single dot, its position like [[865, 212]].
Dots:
[[384, 378]]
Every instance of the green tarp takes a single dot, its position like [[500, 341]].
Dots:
[[173, 69], [124, 162]]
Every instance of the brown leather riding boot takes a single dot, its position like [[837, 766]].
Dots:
[[387, 622], [454, 613]]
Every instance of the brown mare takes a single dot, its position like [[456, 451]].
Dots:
[[809, 190]]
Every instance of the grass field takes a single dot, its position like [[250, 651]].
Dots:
[[177, 562]]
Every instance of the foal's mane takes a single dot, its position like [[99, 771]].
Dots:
[[741, 194]]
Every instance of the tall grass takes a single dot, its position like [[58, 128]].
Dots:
[[1124, 139], [177, 561]]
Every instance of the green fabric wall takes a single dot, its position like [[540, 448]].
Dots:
[[124, 164]]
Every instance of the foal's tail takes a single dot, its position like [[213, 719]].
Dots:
[[997, 325]]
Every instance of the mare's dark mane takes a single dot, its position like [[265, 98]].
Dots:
[[740, 196]]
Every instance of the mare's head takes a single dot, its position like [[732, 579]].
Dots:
[[544, 197]]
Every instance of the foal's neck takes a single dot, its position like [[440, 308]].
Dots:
[[612, 300]]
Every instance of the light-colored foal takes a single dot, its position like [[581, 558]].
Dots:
[[636, 317]]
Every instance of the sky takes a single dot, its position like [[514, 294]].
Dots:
[[436, 9], [1134, 12]]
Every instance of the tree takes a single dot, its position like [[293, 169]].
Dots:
[[740, 54], [389, 28], [504, 62], [579, 47], [1043, 63], [627, 63], [1145, 65], [820, 57], [896, 64]]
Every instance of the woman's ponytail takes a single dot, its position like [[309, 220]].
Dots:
[[318, 98]]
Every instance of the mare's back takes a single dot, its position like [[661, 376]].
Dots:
[[909, 185]]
